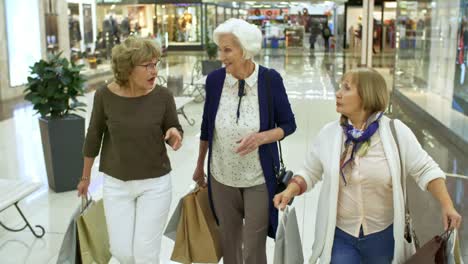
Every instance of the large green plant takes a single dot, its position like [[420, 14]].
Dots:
[[211, 49], [54, 85]]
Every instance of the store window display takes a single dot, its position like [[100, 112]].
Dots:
[[180, 23], [460, 93], [117, 22], [74, 29], [210, 20], [273, 23], [88, 24], [429, 36], [220, 17]]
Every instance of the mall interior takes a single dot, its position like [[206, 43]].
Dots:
[[419, 46]]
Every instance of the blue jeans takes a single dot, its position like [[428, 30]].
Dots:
[[374, 248]]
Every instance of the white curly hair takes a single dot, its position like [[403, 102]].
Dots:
[[248, 35]]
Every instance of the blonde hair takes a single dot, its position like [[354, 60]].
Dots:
[[371, 87], [130, 53]]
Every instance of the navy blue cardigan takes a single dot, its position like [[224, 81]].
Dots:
[[282, 115]]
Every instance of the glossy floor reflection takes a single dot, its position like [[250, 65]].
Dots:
[[311, 92], [21, 157]]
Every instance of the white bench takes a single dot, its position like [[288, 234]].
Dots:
[[11, 193], [180, 102]]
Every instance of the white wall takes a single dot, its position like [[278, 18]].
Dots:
[[24, 48], [61, 7], [3, 53]]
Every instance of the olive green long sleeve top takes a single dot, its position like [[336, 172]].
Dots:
[[130, 131]]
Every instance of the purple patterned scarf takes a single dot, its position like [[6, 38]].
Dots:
[[356, 138]]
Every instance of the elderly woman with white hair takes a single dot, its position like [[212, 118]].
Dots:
[[246, 112]]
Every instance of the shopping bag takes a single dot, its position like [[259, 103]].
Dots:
[[432, 252], [197, 239], [171, 228], [69, 252], [93, 238], [453, 249], [288, 246]]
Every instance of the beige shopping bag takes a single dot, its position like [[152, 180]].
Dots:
[[197, 238], [93, 239]]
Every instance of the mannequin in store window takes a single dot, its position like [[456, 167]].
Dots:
[[125, 27], [110, 27], [74, 30], [185, 25], [110, 33]]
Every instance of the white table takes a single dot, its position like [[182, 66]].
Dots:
[[180, 102], [201, 81], [11, 193]]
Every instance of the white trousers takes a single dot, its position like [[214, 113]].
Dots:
[[136, 214]]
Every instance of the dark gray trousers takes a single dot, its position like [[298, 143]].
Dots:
[[233, 205]]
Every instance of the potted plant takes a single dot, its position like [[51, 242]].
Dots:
[[211, 64], [53, 88]]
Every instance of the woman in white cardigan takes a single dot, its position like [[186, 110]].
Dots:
[[360, 217]]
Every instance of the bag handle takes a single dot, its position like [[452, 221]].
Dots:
[[271, 122], [85, 201], [410, 234]]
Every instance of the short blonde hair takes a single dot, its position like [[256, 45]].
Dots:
[[130, 53], [248, 35], [371, 87]]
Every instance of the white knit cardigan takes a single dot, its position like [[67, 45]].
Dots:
[[322, 164]]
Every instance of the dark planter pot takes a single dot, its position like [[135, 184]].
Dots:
[[62, 143], [210, 65]]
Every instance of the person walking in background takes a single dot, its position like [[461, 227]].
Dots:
[[326, 34]]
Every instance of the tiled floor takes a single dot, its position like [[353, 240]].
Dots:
[[312, 97], [21, 157]]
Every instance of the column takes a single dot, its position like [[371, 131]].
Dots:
[[367, 32]]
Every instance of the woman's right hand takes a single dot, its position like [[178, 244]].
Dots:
[[83, 188], [199, 176], [282, 199]]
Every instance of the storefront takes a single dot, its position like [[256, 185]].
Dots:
[[277, 32], [431, 59], [116, 20], [180, 24], [384, 25], [81, 25]]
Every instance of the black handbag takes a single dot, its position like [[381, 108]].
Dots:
[[282, 174]]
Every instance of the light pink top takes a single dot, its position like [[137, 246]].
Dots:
[[367, 199]]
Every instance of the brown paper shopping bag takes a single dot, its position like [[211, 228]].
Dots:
[[93, 239], [197, 238]]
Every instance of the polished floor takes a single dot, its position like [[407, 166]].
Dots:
[[311, 92]]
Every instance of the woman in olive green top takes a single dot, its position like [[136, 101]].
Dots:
[[130, 123]]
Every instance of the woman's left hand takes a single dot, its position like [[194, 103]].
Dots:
[[450, 215], [249, 143], [174, 138]]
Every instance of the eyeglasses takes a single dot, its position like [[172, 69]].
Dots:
[[344, 85], [151, 66]]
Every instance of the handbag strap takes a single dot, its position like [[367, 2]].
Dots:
[[409, 234], [403, 180], [271, 122]]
